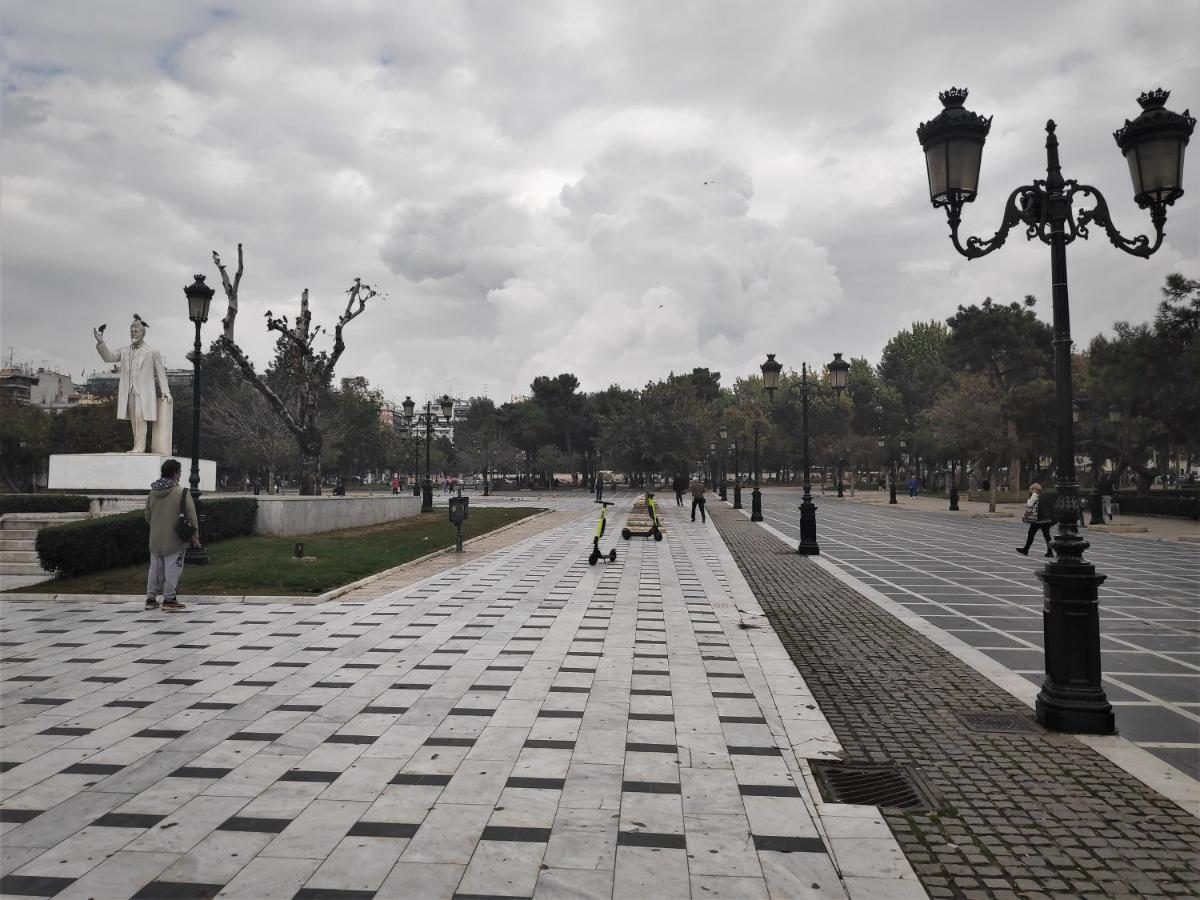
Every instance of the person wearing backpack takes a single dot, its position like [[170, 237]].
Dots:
[[1035, 520], [171, 513]]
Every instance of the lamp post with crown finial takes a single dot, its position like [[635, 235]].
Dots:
[[446, 406], [199, 296], [838, 370], [1071, 698], [770, 376], [723, 433]]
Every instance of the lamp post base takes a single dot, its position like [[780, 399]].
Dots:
[[1097, 509], [1072, 698], [756, 506], [427, 497], [840, 488], [808, 528], [954, 498], [892, 493], [737, 496], [722, 493]]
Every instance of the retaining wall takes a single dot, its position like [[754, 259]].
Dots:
[[310, 515]]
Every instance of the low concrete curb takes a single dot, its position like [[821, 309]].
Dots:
[[295, 600]]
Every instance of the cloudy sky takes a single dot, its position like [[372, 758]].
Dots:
[[615, 189]]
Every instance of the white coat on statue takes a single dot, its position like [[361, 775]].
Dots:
[[139, 398]]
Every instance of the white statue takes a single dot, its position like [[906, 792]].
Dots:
[[138, 398]]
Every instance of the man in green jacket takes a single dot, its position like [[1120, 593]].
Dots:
[[167, 548]]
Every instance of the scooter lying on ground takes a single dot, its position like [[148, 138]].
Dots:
[[596, 555], [653, 531]]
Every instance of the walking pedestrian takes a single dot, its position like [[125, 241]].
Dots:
[[913, 484], [680, 485], [697, 489], [166, 503], [1036, 522]]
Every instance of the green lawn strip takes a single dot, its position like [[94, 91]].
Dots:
[[251, 566]]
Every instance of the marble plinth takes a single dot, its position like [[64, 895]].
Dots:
[[96, 472]]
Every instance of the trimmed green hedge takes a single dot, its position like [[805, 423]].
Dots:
[[1180, 507], [112, 541], [24, 503]]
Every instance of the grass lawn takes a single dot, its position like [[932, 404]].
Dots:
[[264, 565]]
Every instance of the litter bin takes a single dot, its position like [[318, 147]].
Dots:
[[458, 515]]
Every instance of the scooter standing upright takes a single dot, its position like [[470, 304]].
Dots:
[[596, 555], [653, 531]]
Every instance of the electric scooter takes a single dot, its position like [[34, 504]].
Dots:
[[596, 555], [653, 531]]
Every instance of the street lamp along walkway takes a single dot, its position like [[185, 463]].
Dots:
[[1071, 698], [446, 405], [199, 296]]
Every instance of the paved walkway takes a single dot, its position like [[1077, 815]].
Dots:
[[522, 725], [962, 574], [1016, 811]]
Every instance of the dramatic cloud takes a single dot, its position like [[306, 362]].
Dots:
[[611, 189]]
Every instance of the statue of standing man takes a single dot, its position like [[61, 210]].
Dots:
[[139, 399]]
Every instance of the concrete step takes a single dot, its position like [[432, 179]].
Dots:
[[18, 556], [21, 568], [13, 582], [25, 521], [28, 543]]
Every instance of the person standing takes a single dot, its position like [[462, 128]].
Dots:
[[680, 485], [1034, 519], [697, 489], [164, 504], [1106, 495]]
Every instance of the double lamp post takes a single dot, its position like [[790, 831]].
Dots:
[[1071, 698], [446, 405]]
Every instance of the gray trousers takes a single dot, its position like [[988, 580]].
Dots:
[[163, 576]]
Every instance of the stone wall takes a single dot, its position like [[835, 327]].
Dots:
[[310, 515]]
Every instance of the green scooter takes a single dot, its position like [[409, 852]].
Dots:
[[596, 555]]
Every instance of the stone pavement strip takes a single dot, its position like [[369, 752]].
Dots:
[[1016, 814], [522, 725]]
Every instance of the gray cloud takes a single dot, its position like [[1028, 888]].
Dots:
[[527, 180]]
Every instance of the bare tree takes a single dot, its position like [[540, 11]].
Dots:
[[309, 371]]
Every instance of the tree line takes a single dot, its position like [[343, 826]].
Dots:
[[973, 393]]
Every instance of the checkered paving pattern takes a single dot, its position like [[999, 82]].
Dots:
[[521, 726], [1028, 814], [963, 575]]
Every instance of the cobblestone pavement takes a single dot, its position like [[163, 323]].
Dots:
[[523, 725], [962, 574], [1016, 814]]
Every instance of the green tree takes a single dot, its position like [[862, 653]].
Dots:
[[1012, 348]]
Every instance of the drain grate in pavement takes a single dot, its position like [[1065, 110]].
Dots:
[[867, 784], [1003, 722]]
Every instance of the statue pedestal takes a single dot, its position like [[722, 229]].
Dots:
[[97, 472]]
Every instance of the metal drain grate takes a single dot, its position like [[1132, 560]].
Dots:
[[1003, 722], [871, 785]]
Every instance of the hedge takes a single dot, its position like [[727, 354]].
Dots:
[[121, 540], [1179, 507], [37, 503]]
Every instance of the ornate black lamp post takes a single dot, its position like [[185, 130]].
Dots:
[[770, 376], [891, 477], [1072, 698], [808, 510], [737, 477], [712, 462], [953, 485], [1084, 410], [408, 406], [723, 433], [199, 296], [446, 405], [838, 370]]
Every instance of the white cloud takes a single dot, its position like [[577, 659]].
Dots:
[[527, 180]]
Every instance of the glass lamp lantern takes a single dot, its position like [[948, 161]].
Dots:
[[953, 144], [408, 405], [199, 296], [1153, 144], [770, 374], [447, 405], [838, 370]]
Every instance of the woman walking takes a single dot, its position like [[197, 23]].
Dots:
[[1036, 522]]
